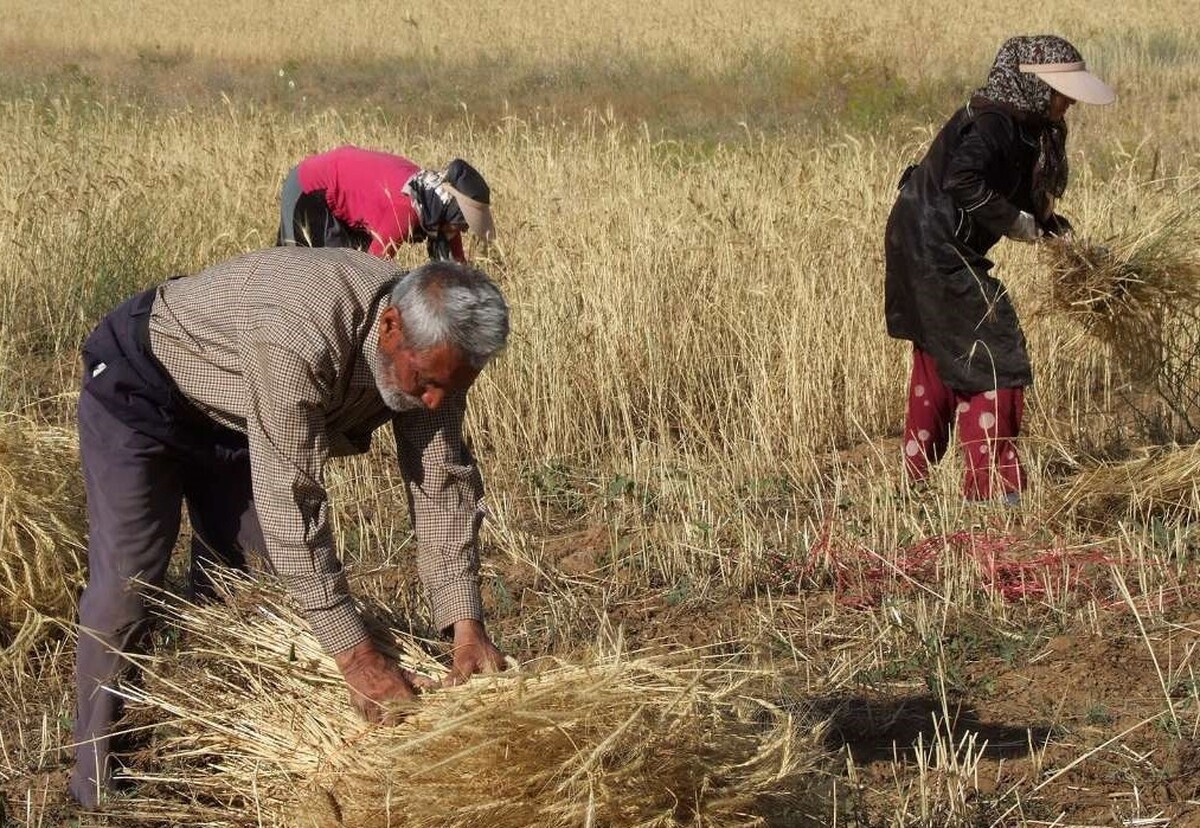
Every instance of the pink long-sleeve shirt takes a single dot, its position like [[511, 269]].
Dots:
[[365, 188]]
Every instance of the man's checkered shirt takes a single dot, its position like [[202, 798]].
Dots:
[[279, 344]]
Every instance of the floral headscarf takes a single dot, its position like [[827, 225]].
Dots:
[[435, 206], [1029, 96]]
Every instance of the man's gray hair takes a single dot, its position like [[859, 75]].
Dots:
[[447, 302]]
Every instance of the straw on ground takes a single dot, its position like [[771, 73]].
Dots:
[[247, 720]]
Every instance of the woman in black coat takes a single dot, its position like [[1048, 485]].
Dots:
[[995, 169]]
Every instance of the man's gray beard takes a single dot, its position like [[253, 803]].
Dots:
[[393, 397]]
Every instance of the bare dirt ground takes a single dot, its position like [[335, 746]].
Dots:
[[1074, 712]]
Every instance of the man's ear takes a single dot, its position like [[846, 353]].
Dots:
[[391, 327]]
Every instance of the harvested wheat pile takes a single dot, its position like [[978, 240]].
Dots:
[[42, 523], [251, 726], [1124, 292], [1162, 483]]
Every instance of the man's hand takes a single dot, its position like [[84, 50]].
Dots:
[[374, 680], [474, 652]]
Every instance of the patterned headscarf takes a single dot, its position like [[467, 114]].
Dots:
[[1028, 96], [434, 205]]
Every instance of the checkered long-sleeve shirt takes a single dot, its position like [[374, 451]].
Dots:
[[279, 344]]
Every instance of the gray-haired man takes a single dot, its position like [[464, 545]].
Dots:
[[229, 390]]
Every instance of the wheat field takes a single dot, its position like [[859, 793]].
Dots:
[[692, 441]]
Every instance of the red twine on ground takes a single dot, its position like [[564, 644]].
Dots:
[[1017, 568]]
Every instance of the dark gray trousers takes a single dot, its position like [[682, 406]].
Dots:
[[136, 485]]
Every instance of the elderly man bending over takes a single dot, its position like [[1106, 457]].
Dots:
[[230, 390]]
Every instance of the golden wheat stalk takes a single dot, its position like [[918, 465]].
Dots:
[[1125, 291], [41, 531], [1159, 483]]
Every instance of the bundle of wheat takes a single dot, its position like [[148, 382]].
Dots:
[[1126, 291], [251, 726], [1164, 482], [42, 524]]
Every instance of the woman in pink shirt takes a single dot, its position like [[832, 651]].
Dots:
[[375, 201]]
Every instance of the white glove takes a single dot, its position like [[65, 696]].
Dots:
[[1025, 228]]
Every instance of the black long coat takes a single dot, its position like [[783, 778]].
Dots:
[[952, 207]]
